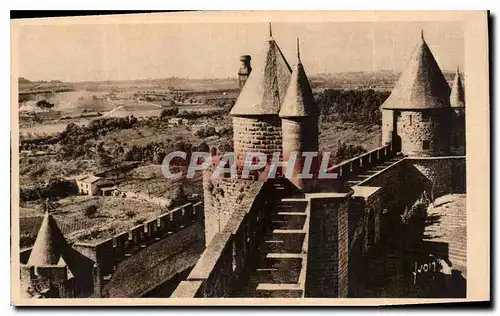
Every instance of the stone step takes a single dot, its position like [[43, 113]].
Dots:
[[291, 207], [279, 290], [277, 244], [277, 275], [289, 220]]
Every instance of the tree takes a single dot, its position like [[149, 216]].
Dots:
[[169, 112], [44, 104]]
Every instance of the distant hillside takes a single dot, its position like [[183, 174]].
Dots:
[[23, 80]]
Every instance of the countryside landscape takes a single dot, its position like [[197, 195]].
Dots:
[[121, 131]]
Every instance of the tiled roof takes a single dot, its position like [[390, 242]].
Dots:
[[157, 263], [49, 244], [457, 96], [422, 85], [88, 178], [264, 91], [299, 99]]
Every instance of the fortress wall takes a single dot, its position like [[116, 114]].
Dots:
[[393, 193], [104, 252], [441, 175], [414, 129], [261, 134], [327, 263], [222, 197], [458, 138]]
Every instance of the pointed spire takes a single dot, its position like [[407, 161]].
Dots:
[[457, 95], [422, 85], [49, 243], [299, 99], [298, 51], [265, 88], [270, 30], [422, 34]]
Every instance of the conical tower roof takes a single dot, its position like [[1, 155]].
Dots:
[[422, 85], [264, 89], [49, 244], [457, 96], [299, 99]]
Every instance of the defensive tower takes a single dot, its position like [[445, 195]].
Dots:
[[299, 122], [417, 114]]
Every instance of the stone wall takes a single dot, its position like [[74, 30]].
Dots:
[[393, 193], [458, 138], [441, 175], [226, 261], [414, 130], [256, 134], [300, 135], [327, 262], [221, 197], [387, 126]]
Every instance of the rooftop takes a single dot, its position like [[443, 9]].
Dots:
[[265, 88], [49, 244], [457, 96], [422, 85], [299, 99], [88, 178]]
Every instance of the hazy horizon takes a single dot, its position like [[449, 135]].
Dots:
[[119, 52]]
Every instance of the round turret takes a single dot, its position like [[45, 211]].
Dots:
[[299, 123], [256, 124], [417, 114]]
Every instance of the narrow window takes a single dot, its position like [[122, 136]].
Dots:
[[410, 119], [426, 144]]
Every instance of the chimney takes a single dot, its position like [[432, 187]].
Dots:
[[245, 70]]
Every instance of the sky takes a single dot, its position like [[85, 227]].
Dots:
[[95, 52]]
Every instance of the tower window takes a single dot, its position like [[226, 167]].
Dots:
[[410, 119], [426, 144]]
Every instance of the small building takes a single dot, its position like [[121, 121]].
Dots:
[[88, 184], [177, 121], [108, 190]]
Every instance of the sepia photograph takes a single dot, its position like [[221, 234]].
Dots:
[[283, 157]]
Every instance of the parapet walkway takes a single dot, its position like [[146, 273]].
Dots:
[[282, 262]]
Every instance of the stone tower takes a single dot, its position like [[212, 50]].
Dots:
[[245, 70], [457, 101], [256, 124], [417, 114], [299, 122], [257, 128], [47, 274]]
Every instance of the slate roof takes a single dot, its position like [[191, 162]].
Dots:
[[422, 85], [157, 263], [299, 99], [49, 244], [457, 96], [265, 88]]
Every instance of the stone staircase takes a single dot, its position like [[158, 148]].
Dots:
[[280, 267]]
